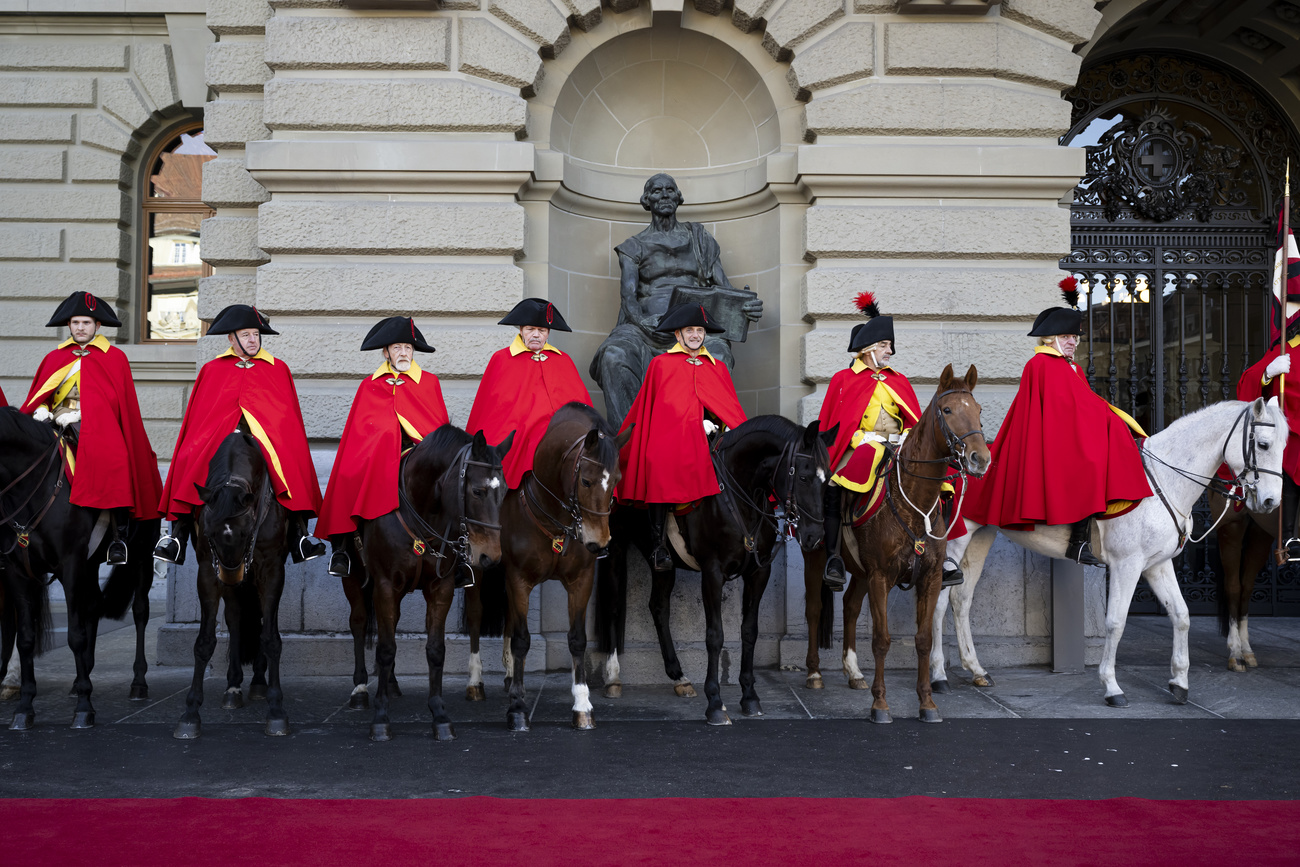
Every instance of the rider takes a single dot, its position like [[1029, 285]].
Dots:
[[396, 406], [86, 384], [1267, 378], [524, 385], [687, 396], [248, 388], [872, 404], [1063, 455]]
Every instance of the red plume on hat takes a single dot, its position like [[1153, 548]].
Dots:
[[1070, 291], [866, 302]]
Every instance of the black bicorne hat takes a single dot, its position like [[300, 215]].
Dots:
[[875, 329], [538, 313], [395, 329], [1061, 320], [237, 317], [687, 315], [84, 304]]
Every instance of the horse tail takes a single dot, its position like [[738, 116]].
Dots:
[[250, 622], [492, 597], [611, 588], [826, 623]]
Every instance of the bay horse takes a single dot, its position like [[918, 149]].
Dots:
[[1179, 461], [904, 543], [1246, 539], [240, 541], [552, 527], [42, 532], [764, 462], [450, 488]]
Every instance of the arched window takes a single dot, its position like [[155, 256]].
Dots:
[[173, 209]]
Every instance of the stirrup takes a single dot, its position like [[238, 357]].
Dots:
[[116, 555], [833, 575], [308, 548], [169, 550], [954, 576], [1291, 555], [660, 559], [464, 576], [340, 564], [1080, 553]]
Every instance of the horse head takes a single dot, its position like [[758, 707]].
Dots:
[[808, 473], [596, 477], [236, 501], [959, 431], [1257, 461], [476, 494]]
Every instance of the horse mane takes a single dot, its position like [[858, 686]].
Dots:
[[777, 425], [606, 449], [219, 468], [447, 438], [15, 424]]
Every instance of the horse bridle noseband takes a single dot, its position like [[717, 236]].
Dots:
[[574, 509], [260, 510], [459, 548]]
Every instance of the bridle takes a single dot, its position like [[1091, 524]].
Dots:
[[458, 549], [55, 455], [731, 491], [260, 509], [572, 507]]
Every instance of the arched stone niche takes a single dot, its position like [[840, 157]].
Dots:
[[652, 95]]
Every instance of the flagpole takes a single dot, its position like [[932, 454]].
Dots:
[[1282, 555]]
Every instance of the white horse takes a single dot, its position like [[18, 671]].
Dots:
[[1180, 460]]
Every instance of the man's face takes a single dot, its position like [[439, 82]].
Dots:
[[83, 329], [692, 337], [1067, 343], [246, 341], [534, 338], [662, 196], [884, 350], [399, 355]]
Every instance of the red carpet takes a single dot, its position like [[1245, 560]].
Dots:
[[794, 831]]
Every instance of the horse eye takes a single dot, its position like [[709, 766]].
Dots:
[[586, 483], [947, 410], [1263, 447]]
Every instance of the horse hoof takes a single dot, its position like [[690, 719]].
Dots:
[[187, 730], [1251, 661], [380, 732], [940, 687], [880, 717], [517, 720], [277, 727], [684, 690], [9, 693], [394, 691], [582, 721], [614, 690], [23, 721], [751, 708], [83, 719], [232, 700], [257, 692], [1179, 693], [359, 700], [814, 681], [717, 718], [475, 692], [139, 693], [929, 715], [1117, 700], [442, 731], [1236, 665], [858, 683], [984, 681]]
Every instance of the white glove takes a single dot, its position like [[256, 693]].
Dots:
[[709, 428], [1281, 364], [42, 413], [68, 418]]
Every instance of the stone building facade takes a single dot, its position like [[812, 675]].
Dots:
[[444, 159]]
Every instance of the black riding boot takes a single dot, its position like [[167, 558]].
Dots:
[[1290, 502], [340, 562], [832, 514], [660, 559], [303, 546], [1079, 550], [116, 547], [171, 547]]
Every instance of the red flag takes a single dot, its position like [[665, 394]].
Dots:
[[1291, 281]]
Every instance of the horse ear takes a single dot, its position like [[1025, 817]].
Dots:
[[831, 435], [1258, 408], [945, 378], [590, 440], [972, 377], [810, 433], [503, 447], [205, 493], [622, 439]]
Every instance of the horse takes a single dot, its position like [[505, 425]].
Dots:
[[763, 462], [552, 527], [450, 487], [1245, 538], [902, 544], [240, 541], [42, 532], [1179, 462]]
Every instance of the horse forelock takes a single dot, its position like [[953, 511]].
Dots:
[[238, 457]]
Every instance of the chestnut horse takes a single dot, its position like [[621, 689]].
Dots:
[[1246, 539], [552, 527], [905, 542], [240, 541], [450, 487], [766, 461]]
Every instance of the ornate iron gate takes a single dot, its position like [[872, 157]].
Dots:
[[1172, 238]]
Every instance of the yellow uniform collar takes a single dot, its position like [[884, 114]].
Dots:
[[859, 365], [1294, 341], [262, 355], [1050, 350], [677, 347], [386, 369], [99, 341], [517, 346]]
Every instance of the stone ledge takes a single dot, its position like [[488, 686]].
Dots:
[[358, 43], [417, 289], [933, 231], [393, 105], [391, 227], [937, 108]]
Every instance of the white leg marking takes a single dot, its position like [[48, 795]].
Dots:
[[611, 668], [851, 669], [581, 698], [475, 669], [682, 680], [507, 658], [358, 689], [1243, 627]]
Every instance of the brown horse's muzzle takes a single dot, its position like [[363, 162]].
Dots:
[[485, 547], [230, 577]]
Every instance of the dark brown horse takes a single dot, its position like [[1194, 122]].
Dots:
[[765, 462], [240, 539], [450, 488], [1246, 539], [42, 532], [552, 527], [904, 542]]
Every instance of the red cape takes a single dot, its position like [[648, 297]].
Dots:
[[519, 394], [847, 398], [667, 458], [1251, 386], [3, 402], [222, 394], [115, 464], [363, 483], [1061, 455]]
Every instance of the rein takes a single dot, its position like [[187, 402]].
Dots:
[[459, 547], [533, 507], [731, 491], [22, 533]]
